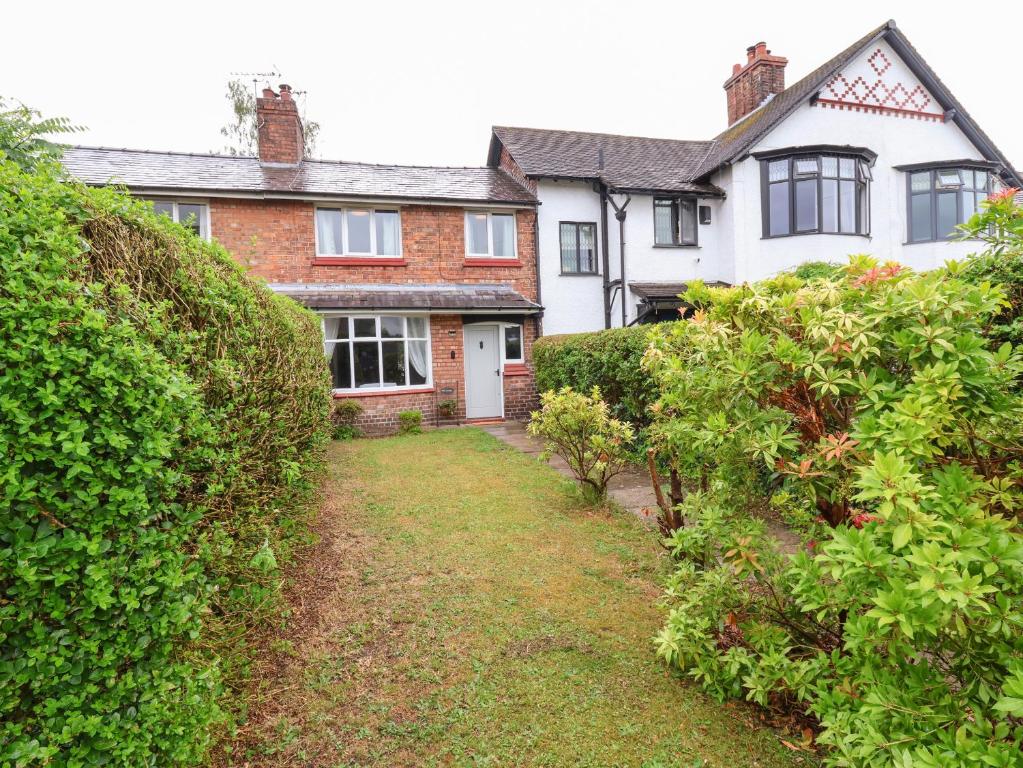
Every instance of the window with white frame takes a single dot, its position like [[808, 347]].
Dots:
[[367, 352], [512, 343], [358, 232], [490, 235], [194, 216]]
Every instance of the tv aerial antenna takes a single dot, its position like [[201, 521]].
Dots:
[[256, 77]]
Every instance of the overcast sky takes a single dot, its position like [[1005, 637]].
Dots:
[[422, 82]]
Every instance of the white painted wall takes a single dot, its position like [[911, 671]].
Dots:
[[572, 303], [575, 303], [731, 249], [896, 140]]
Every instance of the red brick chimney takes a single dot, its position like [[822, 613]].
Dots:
[[750, 84], [280, 135]]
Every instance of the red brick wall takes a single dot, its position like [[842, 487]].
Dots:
[[749, 85], [380, 412], [276, 240], [279, 132], [507, 163], [520, 397]]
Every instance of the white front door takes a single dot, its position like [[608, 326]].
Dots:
[[483, 394]]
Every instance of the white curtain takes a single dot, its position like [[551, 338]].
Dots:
[[387, 223], [503, 236], [328, 231], [417, 358], [331, 330]]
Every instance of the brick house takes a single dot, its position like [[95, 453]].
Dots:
[[425, 277]]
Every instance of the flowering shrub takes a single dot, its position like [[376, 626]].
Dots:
[[869, 410], [579, 428]]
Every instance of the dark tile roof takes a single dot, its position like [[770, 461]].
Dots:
[[179, 172], [423, 297], [630, 163], [664, 290], [637, 163], [737, 138]]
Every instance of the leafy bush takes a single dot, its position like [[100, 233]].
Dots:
[[871, 413], [24, 132], [410, 422], [580, 429], [611, 360], [346, 412], [159, 414], [814, 270], [1000, 228]]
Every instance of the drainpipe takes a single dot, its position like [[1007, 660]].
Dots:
[[536, 261], [604, 247], [620, 213]]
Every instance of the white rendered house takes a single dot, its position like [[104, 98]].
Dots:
[[869, 153]]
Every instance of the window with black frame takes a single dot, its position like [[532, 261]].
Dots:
[[578, 248], [940, 199], [675, 221], [815, 193]]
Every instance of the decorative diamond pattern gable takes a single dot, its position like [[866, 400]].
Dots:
[[879, 82]]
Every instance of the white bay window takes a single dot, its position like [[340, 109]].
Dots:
[[377, 352]]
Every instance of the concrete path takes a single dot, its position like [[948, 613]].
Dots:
[[631, 489]]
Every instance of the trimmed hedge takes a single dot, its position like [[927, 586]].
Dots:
[[610, 360], [159, 415]]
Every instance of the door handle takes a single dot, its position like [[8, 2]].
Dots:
[[497, 372]]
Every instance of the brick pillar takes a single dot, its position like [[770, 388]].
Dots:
[[280, 137], [750, 84]]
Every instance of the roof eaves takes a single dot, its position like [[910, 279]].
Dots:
[[836, 64], [494, 149], [919, 67]]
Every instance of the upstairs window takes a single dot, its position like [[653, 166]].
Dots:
[[358, 232], [489, 235], [806, 194], [194, 216], [578, 248], [942, 198], [674, 221]]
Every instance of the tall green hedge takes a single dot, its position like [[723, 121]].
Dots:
[[608, 359], [159, 412]]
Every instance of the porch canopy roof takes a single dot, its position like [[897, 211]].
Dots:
[[665, 292], [429, 298]]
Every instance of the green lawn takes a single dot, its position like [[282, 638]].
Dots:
[[464, 607]]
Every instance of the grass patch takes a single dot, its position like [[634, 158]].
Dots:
[[465, 608]]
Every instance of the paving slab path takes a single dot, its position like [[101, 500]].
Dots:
[[631, 489]]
